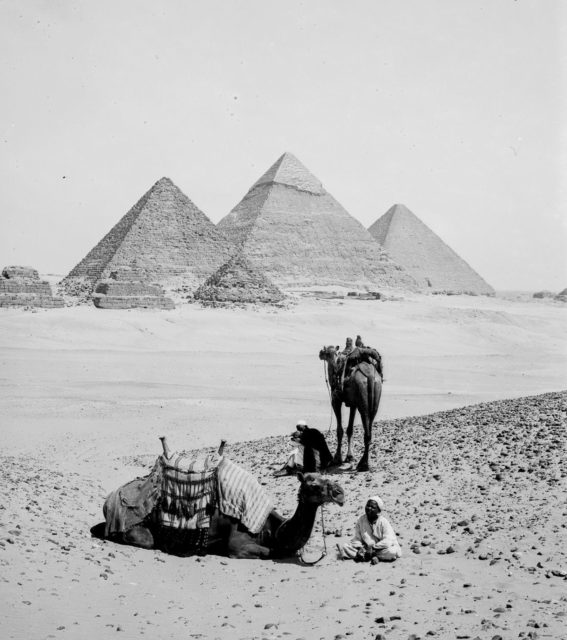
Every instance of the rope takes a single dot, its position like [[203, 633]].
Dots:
[[324, 552], [325, 367]]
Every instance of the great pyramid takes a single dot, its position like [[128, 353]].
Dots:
[[298, 235], [164, 235], [237, 281], [431, 262]]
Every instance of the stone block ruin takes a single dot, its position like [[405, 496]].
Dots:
[[127, 288], [559, 297], [238, 282], [22, 287]]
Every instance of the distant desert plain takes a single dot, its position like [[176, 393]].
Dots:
[[476, 491]]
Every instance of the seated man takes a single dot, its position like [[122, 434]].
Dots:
[[374, 538], [311, 453]]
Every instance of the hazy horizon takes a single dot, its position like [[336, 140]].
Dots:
[[454, 109]]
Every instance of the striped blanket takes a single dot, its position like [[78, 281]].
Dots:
[[241, 496], [191, 489]]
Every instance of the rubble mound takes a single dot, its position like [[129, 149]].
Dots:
[[237, 281], [127, 288], [22, 287], [414, 246], [292, 229], [164, 233]]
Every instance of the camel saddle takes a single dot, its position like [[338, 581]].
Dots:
[[354, 359], [364, 354]]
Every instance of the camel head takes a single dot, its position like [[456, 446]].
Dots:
[[316, 489], [328, 353]]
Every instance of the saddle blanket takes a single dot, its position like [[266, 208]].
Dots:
[[131, 503], [188, 491], [241, 496], [182, 492], [191, 489]]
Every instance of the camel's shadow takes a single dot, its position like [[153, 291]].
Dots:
[[347, 468], [98, 532]]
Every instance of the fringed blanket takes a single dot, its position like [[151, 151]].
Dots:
[[188, 492], [241, 496]]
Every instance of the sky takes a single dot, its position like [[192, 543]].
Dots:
[[455, 108]]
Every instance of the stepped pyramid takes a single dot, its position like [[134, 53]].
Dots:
[[298, 235], [431, 262], [237, 281], [164, 235]]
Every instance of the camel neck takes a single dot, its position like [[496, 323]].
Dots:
[[331, 368], [294, 533]]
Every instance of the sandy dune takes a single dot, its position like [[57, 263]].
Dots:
[[85, 393]]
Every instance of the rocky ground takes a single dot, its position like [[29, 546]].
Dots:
[[477, 496]]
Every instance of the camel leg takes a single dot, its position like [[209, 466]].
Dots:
[[350, 431], [139, 536], [338, 459], [363, 463], [368, 413], [242, 547]]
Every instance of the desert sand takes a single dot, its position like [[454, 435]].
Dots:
[[475, 490]]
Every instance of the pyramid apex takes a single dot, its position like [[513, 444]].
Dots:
[[289, 171], [165, 181], [398, 206]]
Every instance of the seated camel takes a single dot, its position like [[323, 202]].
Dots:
[[279, 537]]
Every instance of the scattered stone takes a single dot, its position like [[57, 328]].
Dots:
[[386, 619]]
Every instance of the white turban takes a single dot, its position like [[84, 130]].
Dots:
[[378, 500]]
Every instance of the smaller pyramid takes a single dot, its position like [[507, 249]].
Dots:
[[126, 288], [423, 254], [22, 287], [237, 281], [165, 234]]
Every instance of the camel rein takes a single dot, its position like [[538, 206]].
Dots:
[[324, 552], [330, 396]]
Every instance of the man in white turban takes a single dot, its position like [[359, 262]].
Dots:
[[374, 537]]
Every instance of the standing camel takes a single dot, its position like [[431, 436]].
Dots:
[[360, 391]]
